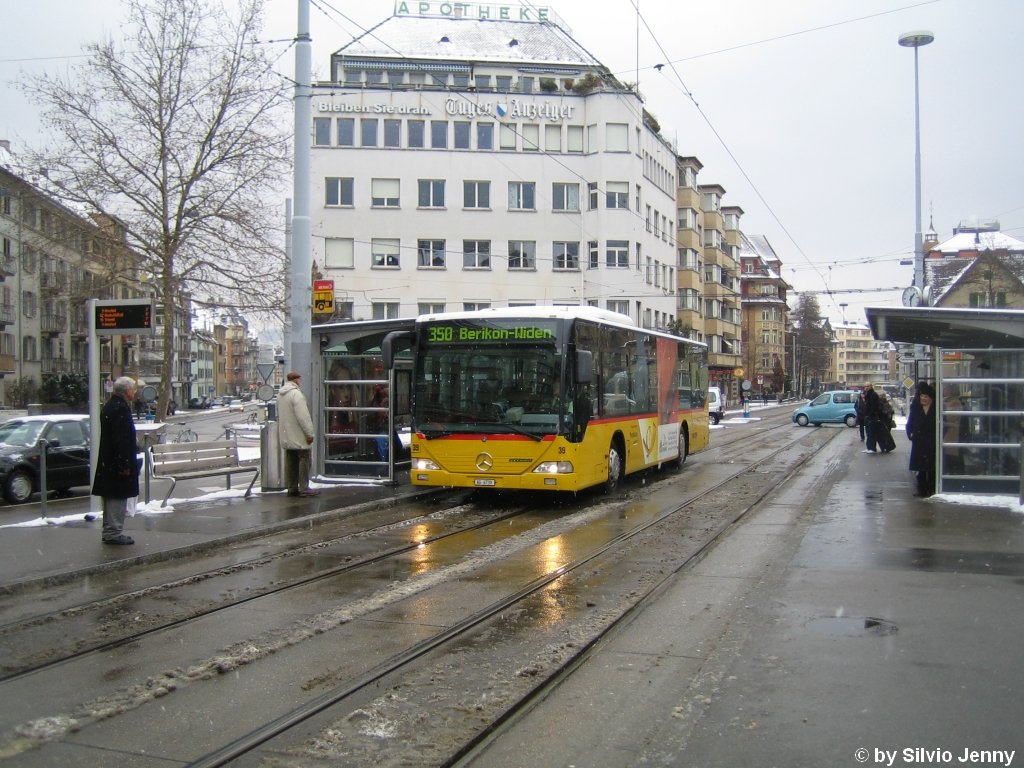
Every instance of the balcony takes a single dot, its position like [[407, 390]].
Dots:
[[53, 323], [7, 314], [7, 364]]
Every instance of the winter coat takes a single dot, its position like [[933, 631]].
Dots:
[[295, 425], [921, 431], [117, 465]]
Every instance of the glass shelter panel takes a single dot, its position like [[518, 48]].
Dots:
[[982, 415]]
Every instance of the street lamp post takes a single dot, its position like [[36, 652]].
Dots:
[[915, 40]]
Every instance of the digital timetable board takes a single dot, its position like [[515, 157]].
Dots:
[[124, 316]]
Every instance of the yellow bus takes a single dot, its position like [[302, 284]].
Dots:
[[549, 398]]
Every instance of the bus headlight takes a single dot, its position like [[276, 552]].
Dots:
[[421, 464], [554, 468]]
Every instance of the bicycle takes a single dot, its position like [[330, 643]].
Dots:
[[184, 434]]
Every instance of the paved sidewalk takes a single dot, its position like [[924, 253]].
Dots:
[[66, 545]]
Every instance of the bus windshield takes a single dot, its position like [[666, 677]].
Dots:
[[495, 376]]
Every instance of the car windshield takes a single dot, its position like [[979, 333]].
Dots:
[[24, 433]]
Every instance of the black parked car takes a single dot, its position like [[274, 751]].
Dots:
[[67, 457]]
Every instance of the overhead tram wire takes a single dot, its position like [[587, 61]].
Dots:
[[689, 94]]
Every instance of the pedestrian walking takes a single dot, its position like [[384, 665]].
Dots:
[[886, 422], [117, 466], [872, 418], [295, 427], [921, 431]]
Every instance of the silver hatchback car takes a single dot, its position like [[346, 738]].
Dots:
[[829, 408]]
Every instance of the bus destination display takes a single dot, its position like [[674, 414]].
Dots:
[[460, 333]]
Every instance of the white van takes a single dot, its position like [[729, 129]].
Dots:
[[716, 406]]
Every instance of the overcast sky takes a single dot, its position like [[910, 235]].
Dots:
[[803, 110]]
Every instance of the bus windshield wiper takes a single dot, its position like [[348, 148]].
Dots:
[[518, 430]]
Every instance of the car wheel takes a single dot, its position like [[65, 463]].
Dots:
[[19, 486], [802, 420], [715, 418], [614, 467], [851, 420]]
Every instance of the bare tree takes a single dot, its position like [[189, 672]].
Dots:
[[179, 134]]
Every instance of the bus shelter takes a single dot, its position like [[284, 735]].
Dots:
[[977, 363], [363, 410]]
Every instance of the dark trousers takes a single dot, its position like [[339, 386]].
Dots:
[[296, 469], [926, 482]]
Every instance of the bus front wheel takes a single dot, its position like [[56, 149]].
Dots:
[[614, 467]]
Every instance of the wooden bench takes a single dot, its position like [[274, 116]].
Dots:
[[185, 461]]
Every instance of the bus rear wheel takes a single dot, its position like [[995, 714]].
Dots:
[[684, 448], [614, 467]]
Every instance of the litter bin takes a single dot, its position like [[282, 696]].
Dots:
[[271, 458]]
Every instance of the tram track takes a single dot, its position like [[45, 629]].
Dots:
[[384, 673], [359, 685]]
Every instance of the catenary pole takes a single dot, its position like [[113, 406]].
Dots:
[[301, 288]]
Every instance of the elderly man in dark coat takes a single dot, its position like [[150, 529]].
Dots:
[[117, 468]]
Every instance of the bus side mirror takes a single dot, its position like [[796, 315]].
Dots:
[[584, 366], [387, 347]]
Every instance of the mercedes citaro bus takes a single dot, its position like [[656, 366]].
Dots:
[[549, 398]]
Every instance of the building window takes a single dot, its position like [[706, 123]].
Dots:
[[416, 130], [688, 219], [616, 137], [688, 259], [476, 194], [508, 136], [574, 138], [521, 196], [385, 253], [620, 306], [565, 197], [338, 191], [431, 193], [483, 82], [476, 254], [346, 131], [617, 254], [431, 254], [386, 310], [439, 134], [553, 138], [485, 135], [531, 137], [594, 253], [462, 133], [616, 194], [322, 131], [503, 82], [384, 193], [522, 254], [392, 133], [565, 255], [593, 195], [429, 307], [526, 85], [368, 132], [473, 306], [338, 253]]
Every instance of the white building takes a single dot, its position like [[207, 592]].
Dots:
[[474, 161]]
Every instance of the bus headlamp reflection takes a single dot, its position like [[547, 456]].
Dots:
[[424, 464]]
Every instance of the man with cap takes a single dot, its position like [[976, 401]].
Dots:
[[295, 427]]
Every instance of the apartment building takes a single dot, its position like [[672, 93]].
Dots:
[[462, 162], [765, 313]]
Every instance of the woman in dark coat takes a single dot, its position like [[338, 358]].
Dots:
[[872, 418], [921, 431], [117, 468]]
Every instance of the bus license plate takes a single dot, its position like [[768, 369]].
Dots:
[[488, 481]]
